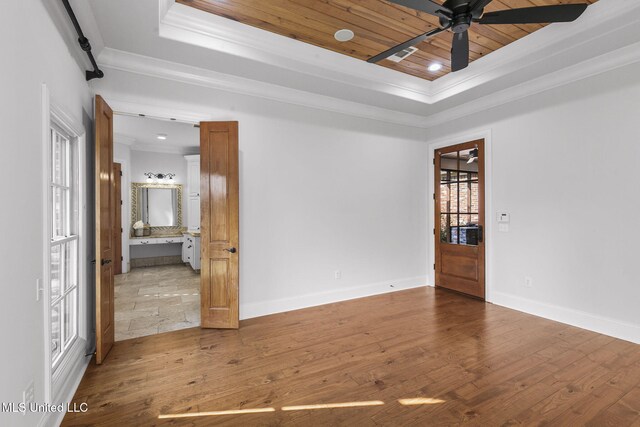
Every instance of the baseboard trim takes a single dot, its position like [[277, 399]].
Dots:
[[248, 311], [67, 393], [603, 325]]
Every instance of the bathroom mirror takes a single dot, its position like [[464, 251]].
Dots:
[[158, 205]]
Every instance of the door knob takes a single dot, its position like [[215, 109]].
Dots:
[[231, 250], [105, 262]]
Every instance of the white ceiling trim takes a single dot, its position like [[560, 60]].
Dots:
[[189, 25], [84, 14], [549, 45], [154, 148], [125, 61], [619, 58], [153, 67], [155, 111]]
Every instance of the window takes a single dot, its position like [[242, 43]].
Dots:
[[64, 256]]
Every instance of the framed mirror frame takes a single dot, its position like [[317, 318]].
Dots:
[[135, 186]]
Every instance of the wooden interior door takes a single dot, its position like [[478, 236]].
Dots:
[[117, 218], [219, 225], [460, 219], [105, 252]]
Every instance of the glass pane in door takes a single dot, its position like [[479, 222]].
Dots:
[[459, 199]]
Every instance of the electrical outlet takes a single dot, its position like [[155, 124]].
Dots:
[[337, 274], [528, 282], [28, 395]]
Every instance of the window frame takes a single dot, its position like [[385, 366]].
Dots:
[[59, 380], [71, 225]]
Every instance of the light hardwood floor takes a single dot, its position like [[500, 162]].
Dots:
[[150, 300], [472, 363]]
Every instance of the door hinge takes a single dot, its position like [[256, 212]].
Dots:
[[121, 258], [121, 230], [120, 202], [434, 160], [434, 196], [120, 173], [434, 265], [434, 231]]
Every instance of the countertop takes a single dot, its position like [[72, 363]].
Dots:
[[157, 236]]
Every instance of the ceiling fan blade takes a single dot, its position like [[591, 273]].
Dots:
[[414, 41], [460, 51], [428, 6], [535, 15], [479, 5]]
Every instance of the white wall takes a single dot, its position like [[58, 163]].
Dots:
[[33, 53], [319, 192], [565, 165]]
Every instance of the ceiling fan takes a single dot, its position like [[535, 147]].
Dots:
[[458, 15]]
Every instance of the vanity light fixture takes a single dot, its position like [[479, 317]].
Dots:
[[162, 178]]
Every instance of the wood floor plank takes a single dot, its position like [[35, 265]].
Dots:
[[478, 364]]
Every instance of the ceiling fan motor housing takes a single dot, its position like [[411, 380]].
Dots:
[[462, 17]]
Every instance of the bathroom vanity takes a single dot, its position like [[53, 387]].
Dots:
[[169, 242]]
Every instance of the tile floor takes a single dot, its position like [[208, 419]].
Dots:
[[150, 300]]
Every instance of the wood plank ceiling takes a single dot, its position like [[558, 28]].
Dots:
[[377, 24]]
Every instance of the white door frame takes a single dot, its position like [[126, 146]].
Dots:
[[488, 201], [125, 212]]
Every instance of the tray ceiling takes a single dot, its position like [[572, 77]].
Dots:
[[377, 24]]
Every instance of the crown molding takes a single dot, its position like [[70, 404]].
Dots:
[[164, 149], [192, 26], [610, 61], [84, 13], [535, 45], [153, 67], [549, 49]]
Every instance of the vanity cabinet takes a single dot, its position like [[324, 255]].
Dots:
[[191, 251], [193, 192], [134, 241]]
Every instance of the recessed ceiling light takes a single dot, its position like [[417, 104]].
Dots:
[[436, 66], [344, 35], [161, 136]]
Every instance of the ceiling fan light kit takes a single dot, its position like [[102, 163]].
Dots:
[[457, 16]]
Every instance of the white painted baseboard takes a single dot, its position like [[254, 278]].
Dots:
[[580, 319], [248, 311], [69, 389]]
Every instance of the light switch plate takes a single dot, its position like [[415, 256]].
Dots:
[[503, 217]]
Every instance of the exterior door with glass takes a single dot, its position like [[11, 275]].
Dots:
[[460, 219]]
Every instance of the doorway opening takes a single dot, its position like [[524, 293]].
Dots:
[[157, 226], [159, 235], [460, 218]]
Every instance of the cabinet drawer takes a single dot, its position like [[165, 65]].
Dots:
[[156, 241], [170, 240], [141, 242]]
